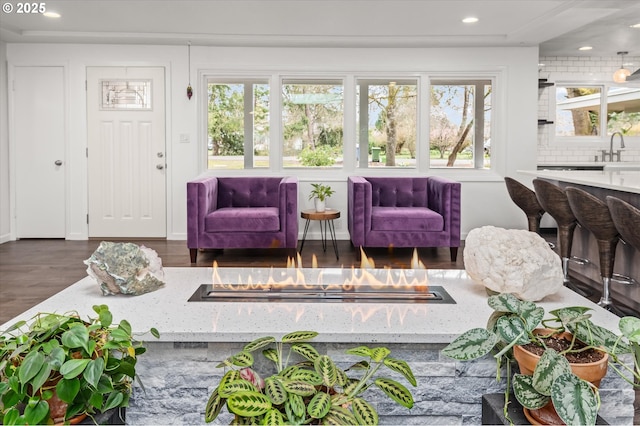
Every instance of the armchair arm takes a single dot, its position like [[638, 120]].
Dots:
[[202, 198], [359, 209], [444, 197], [288, 205]]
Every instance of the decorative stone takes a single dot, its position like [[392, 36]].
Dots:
[[512, 261], [125, 268]]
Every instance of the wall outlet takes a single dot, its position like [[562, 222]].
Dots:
[[185, 138]]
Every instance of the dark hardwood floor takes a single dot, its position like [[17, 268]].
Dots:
[[32, 270]]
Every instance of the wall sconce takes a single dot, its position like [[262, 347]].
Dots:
[[620, 76]]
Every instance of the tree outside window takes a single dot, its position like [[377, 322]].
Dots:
[[237, 125], [387, 115], [312, 123], [460, 124]]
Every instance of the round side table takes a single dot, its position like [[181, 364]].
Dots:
[[326, 219]]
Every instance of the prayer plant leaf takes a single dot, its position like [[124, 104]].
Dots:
[[325, 367], [299, 336], [213, 407], [401, 367], [319, 405], [249, 404], [364, 412], [306, 350], [395, 391], [258, 344]]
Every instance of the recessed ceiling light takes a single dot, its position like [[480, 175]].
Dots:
[[585, 48], [635, 25], [51, 14], [470, 20]]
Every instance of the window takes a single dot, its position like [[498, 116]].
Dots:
[[238, 124], [623, 112], [387, 123], [579, 110], [312, 123], [383, 123], [460, 124]]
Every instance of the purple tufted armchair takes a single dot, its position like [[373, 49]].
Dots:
[[404, 212], [242, 212]]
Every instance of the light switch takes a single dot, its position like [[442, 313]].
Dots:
[[184, 138]]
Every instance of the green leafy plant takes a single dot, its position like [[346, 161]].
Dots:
[[86, 366], [321, 156], [320, 191], [312, 390], [514, 322]]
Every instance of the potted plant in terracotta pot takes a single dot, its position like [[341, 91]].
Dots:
[[60, 368], [310, 390], [319, 194], [553, 382]]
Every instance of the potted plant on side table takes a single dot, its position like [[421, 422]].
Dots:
[[312, 390], [319, 194], [552, 382], [61, 368]]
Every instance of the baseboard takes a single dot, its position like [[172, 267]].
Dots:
[[5, 238]]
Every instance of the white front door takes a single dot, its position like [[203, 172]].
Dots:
[[39, 147], [127, 170]]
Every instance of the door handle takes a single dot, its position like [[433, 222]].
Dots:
[[58, 163], [159, 166]]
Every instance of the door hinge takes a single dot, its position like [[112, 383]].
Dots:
[[87, 219], [85, 85], [86, 152]]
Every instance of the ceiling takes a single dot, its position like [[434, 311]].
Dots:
[[559, 27]]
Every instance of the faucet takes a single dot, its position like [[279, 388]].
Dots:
[[611, 154]]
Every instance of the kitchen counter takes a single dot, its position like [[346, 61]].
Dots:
[[617, 180]]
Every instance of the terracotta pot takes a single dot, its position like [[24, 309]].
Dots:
[[592, 372]]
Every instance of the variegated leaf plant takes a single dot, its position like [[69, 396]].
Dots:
[[312, 390], [513, 323]]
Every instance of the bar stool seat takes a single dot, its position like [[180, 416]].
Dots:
[[593, 214], [554, 200], [526, 199], [626, 218]]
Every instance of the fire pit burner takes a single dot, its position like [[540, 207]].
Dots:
[[316, 294]]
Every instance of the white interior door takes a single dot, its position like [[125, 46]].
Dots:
[[39, 143], [127, 170]]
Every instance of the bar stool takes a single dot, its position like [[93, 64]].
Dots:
[[593, 214], [626, 218], [526, 199], [554, 200]]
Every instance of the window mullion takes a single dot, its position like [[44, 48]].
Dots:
[[248, 125], [478, 148], [364, 126]]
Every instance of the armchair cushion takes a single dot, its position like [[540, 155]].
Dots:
[[242, 219], [418, 219]]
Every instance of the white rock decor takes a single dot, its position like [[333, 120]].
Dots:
[[125, 268], [512, 261]]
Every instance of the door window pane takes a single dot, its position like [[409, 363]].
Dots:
[[387, 123], [312, 123], [238, 124]]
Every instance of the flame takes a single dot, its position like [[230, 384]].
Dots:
[[294, 276]]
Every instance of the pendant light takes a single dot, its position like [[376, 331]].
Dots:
[[620, 76]]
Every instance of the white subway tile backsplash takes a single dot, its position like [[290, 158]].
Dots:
[[574, 68]]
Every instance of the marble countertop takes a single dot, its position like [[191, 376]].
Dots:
[[178, 320], [619, 180]]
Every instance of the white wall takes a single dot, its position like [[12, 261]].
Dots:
[[5, 207], [484, 198]]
